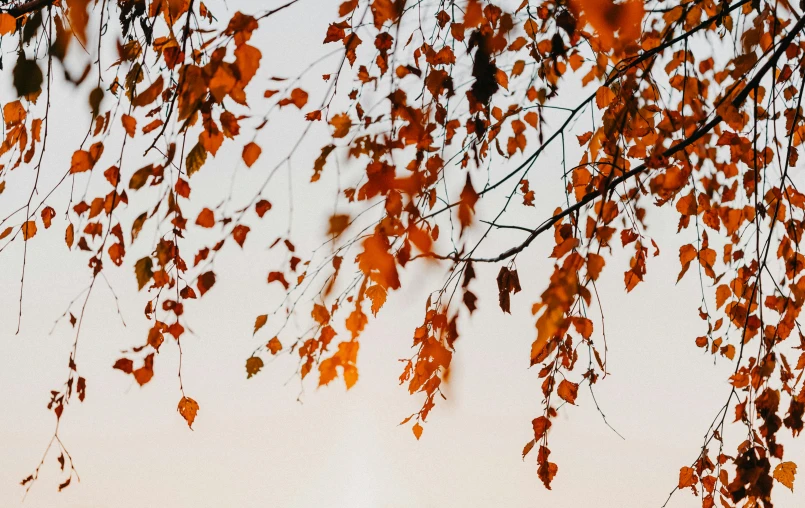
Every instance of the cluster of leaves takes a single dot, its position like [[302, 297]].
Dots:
[[695, 107]]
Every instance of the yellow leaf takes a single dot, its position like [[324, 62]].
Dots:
[[784, 473]]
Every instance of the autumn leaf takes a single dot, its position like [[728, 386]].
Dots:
[[251, 152], [274, 346], [188, 408], [687, 477], [417, 429], [206, 218], [8, 24], [262, 207], [144, 374], [377, 263], [81, 161], [568, 391], [298, 98], [28, 229], [253, 366], [377, 295], [466, 207], [341, 125], [338, 223], [205, 282], [239, 233], [125, 365], [129, 124], [259, 322], [195, 159], [148, 95], [47, 215], [144, 272], [784, 473]]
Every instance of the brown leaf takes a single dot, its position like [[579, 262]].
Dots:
[[466, 207], [143, 270], [125, 365], [253, 366], [338, 223], [205, 282]]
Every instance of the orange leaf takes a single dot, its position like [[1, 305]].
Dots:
[[81, 161], [8, 24], [298, 98], [251, 152], [274, 345], [466, 208], [417, 429], [722, 293], [188, 409], [568, 391], [47, 216], [239, 233], [130, 124], [206, 218], [687, 253], [260, 322], [595, 263], [148, 95], [28, 229], [262, 207], [687, 477], [341, 123]]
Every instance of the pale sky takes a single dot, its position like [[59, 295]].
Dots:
[[254, 445]]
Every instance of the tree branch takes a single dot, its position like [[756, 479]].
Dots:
[[26, 7], [704, 129]]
